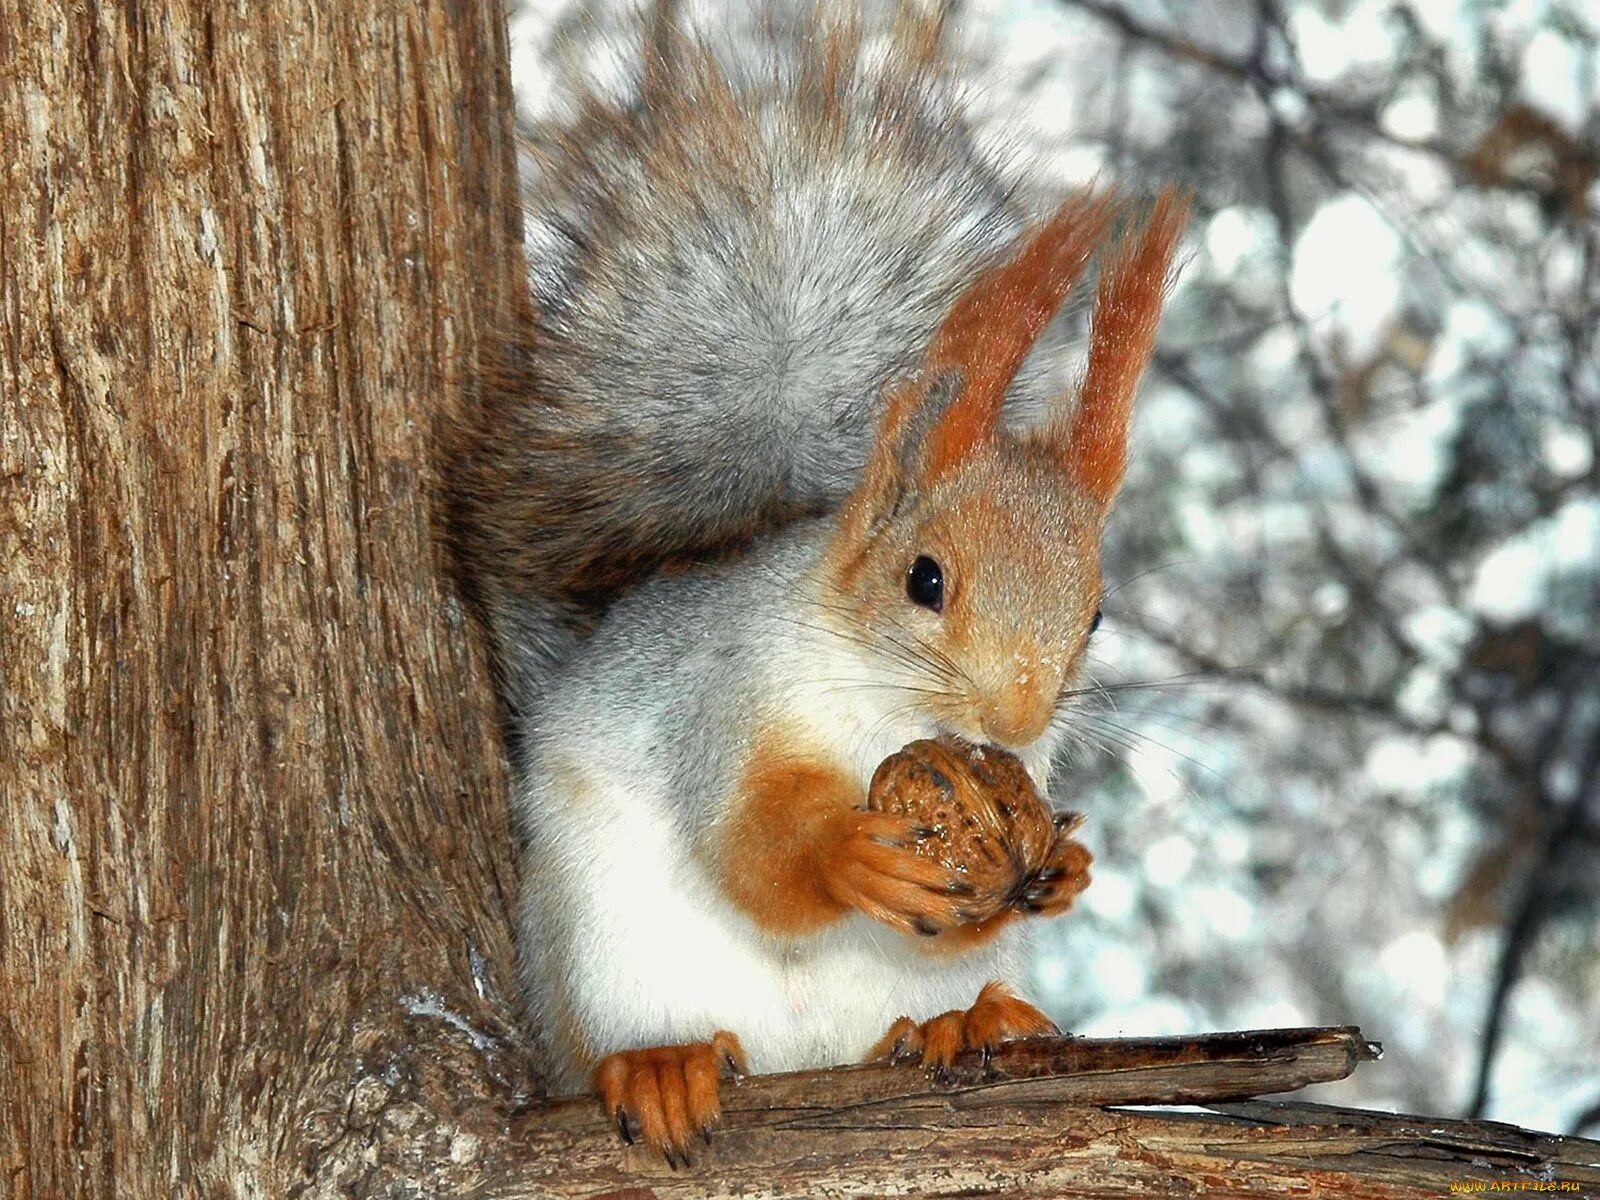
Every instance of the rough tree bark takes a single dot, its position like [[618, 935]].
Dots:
[[254, 870], [253, 802]]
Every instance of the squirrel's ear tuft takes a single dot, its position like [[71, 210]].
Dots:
[[909, 409], [995, 322], [1094, 445]]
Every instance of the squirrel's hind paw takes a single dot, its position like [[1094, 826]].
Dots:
[[997, 1016], [665, 1096]]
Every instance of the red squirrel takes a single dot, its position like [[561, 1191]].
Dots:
[[767, 488]]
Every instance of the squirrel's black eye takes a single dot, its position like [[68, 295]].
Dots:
[[925, 583], [1095, 624]]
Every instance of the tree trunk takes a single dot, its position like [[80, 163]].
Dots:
[[254, 807]]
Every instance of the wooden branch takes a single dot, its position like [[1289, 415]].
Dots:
[[1030, 1124], [1095, 1071], [1038, 1149]]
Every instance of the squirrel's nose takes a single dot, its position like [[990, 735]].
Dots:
[[1018, 712]]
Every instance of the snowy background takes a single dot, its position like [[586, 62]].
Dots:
[[1356, 569]]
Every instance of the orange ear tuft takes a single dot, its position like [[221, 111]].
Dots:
[[994, 324], [1121, 340]]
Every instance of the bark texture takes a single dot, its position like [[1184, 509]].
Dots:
[[992, 1143], [253, 803]]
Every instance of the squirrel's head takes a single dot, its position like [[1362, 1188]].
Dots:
[[968, 559]]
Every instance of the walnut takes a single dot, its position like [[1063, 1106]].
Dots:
[[987, 822]]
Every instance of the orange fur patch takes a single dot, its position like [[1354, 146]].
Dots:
[[800, 851], [1121, 340], [994, 324], [774, 843]]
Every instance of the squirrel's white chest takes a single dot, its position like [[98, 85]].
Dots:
[[629, 938], [643, 949], [852, 708]]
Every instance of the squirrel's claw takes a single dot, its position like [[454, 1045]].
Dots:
[[996, 1017], [666, 1095], [876, 870], [1055, 885], [902, 1043]]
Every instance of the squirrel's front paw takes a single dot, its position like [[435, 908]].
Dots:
[[1053, 887], [996, 1016], [666, 1095], [874, 867]]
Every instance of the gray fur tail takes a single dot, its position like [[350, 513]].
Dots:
[[726, 269]]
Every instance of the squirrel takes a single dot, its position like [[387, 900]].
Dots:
[[766, 488]]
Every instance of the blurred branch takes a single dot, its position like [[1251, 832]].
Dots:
[[1479, 165], [1381, 707], [1255, 72], [1588, 1119], [1533, 906], [1325, 388], [1372, 706], [1251, 420]]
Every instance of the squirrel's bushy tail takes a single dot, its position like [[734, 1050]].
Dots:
[[726, 268]]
